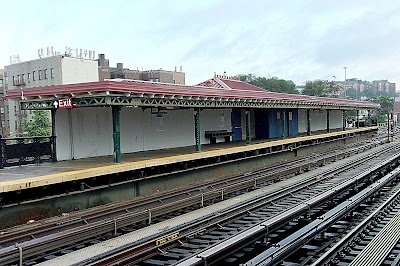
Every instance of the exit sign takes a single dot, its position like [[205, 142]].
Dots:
[[63, 103]]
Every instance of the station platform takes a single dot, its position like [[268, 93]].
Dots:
[[32, 176]]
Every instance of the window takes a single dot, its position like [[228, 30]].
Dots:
[[15, 109], [2, 110], [40, 74], [16, 125], [29, 77], [8, 109], [6, 80], [18, 80], [45, 73], [14, 81], [52, 73], [23, 78]]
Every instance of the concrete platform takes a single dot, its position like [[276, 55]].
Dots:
[[30, 176]]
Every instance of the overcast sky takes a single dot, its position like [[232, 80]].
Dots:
[[297, 40]]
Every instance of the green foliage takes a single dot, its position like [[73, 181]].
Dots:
[[271, 84], [387, 105], [39, 126], [321, 88]]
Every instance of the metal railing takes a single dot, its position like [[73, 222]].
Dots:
[[27, 150]]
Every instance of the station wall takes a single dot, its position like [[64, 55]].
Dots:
[[336, 119], [87, 132], [318, 120]]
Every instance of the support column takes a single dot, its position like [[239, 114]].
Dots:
[[344, 122], [116, 133], [328, 129], [369, 118], [248, 127], [308, 122], [283, 135], [53, 135], [197, 128], [358, 118]]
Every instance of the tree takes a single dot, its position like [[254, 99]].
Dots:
[[273, 84], [321, 88], [387, 105], [39, 126]]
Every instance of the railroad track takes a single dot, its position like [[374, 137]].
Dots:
[[375, 240], [217, 232], [304, 245], [157, 205]]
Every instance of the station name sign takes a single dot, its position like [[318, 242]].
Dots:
[[63, 103]]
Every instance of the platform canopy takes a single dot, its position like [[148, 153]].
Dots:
[[218, 92]]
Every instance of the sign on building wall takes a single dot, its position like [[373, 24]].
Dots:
[[160, 123], [222, 120], [290, 116], [63, 103]]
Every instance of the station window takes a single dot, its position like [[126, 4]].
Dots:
[[45, 73], [2, 110], [23, 78], [52, 73], [14, 81], [18, 79], [8, 109], [29, 77], [40, 74], [16, 125], [33, 75]]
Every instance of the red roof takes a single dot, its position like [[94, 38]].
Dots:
[[226, 83], [240, 91]]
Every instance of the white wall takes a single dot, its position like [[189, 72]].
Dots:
[[132, 130], [140, 130], [302, 120], [336, 119], [76, 70], [218, 119], [63, 133], [173, 129], [318, 119]]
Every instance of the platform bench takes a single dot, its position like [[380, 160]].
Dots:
[[213, 135]]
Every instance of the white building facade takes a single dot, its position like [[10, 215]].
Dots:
[[48, 71]]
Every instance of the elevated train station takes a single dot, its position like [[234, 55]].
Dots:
[[139, 129]]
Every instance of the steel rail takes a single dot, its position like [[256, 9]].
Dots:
[[277, 252], [324, 258], [26, 233], [227, 216]]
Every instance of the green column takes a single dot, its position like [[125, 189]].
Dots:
[[197, 128], [308, 122], [283, 135], [369, 118], [358, 118], [328, 129], [53, 134], [344, 122], [116, 133], [248, 127]]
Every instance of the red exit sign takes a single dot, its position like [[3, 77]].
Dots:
[[63, 103]]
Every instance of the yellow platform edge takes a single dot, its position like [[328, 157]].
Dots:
[[32, 182]]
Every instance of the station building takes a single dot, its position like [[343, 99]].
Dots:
[[114, 117]]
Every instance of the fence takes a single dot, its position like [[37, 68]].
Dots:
[[29, 150]]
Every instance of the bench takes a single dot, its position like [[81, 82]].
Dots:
[[213, 135]]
